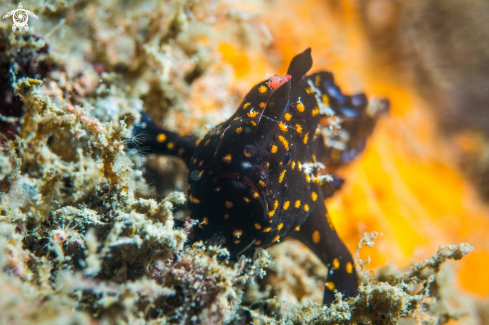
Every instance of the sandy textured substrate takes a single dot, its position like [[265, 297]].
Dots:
[[84, 239]]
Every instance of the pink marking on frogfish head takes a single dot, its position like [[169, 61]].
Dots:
[[277, 81]]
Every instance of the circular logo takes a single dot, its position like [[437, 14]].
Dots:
[[20, 18]]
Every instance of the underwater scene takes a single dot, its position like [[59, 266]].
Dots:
[[244, 162]]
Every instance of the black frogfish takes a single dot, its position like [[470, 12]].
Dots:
[[256, 179]]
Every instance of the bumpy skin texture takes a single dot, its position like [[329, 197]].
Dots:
[[255, 180]]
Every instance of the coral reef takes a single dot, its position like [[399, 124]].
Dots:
[[387, 298], [422, 294], [81, 239], [77, 242]]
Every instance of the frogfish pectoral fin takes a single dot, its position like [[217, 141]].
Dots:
[[318, 234]]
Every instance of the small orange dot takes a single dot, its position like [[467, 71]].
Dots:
[[349, 268], [298, 128], [274, 149], [284, 142], [325, 99], [330, 222], [306, 207], [161, 137], [227, 158], [194, 200], [314, 196], [316, 81], [283, 127], [228, 204], [300, 107], [316, 237], [286, 205], [239, 130], [336, 263], [262, 89], [170, 145], [330, 285], [252, 113], [282, 175]]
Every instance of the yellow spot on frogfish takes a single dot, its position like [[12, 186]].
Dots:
[[330, 285], [161, 137], [286, 205], [316, 237]]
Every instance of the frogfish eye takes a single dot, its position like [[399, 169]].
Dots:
[[249, 151]]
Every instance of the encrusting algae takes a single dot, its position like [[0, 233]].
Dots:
[[82, 241]]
